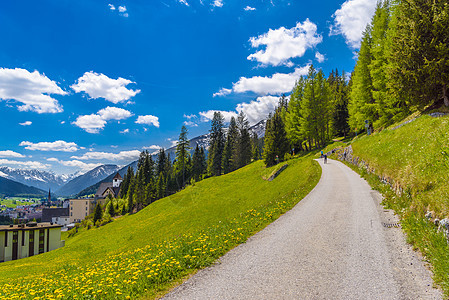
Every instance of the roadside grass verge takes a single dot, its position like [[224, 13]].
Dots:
[[416, 157], [141, 255]]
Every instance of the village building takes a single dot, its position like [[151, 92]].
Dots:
[[50, 212], [110, 188], [24, 240], [80, 209]]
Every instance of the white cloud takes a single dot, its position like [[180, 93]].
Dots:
[[208, 115], [124, 131], [24, 164], [351, 19], [152, 147], [111, 6], [217, 3], [114, 113], [319, 57], [30, 89], [283, 44], [27, 123], [78, 164], [122, 9], [9, 153], [255, 111], [184, 2], [90, 123], [222, 92], [148, 120], [247, 8], [258, 109], [192, 116], [61, 146], [123, 155], [101, 86], [93, 123], [277, 84], [62, 122], [52, 159], [190, 124]]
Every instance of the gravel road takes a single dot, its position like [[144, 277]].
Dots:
[[332, 245]]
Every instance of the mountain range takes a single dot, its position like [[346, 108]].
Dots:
[[87, 183]]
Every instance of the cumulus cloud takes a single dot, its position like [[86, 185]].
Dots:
[[85, 167], [217, 3], [61, 146], [27, 123], [101, 86], [319, 57], [247, 8], [222, 92], [10, 154], [32, 90], [114, 113], [277, 84], [122, 9], [258, 109], [208, 115], [152, 147], [24, 164], [123, 155], [192, 116], [124, 131], [90, 123], [283, 44], [111, 6], [93, 123], [148, 120], [184, 2], [351, 19]]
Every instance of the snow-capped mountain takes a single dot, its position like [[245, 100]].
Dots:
[[79, 183], [36, 178]]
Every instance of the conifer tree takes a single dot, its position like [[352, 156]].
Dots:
[[182, 155], [160, 186], [242, 149], [161, 162], [198, 163], [419, 53], [111, 209], [130, 195], [217, 141], [98, 214], [361, 105], [255, 147], [293, 116], [126, 182], [231, 140], [276, 142]]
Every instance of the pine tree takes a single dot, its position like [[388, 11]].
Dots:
[[418, 73], [217, 141], [276, 142], [130, 195], [126, 182], [197, 164], [255, 147], [293, 116], [182, 155], [231, 140], [160, 186], [361, 104], [242, 149], [111, 209], [98, 214], [161, 162]]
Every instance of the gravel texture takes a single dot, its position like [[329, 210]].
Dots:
[[332, 245]]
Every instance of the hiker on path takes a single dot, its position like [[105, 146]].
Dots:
[[321, 153], [325, 158]]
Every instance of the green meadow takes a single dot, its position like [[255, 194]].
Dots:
[[144, 254]]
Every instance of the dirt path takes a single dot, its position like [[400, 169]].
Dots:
[[332, 245]]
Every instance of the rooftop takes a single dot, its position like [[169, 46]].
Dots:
[[29, 226]]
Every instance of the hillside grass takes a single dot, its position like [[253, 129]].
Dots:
[[416, 157], [145, 253]]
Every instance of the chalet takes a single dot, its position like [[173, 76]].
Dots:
[[20, 241], [110, 188]]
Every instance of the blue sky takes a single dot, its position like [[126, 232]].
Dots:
[[84, 83]]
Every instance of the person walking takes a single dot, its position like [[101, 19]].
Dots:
[[325, 158]]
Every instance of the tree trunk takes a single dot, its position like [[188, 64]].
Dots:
[[445, 96]]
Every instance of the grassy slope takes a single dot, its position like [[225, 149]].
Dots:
[[190, 211], [415, 156]]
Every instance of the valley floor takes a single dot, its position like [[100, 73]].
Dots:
[[337, 243]]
